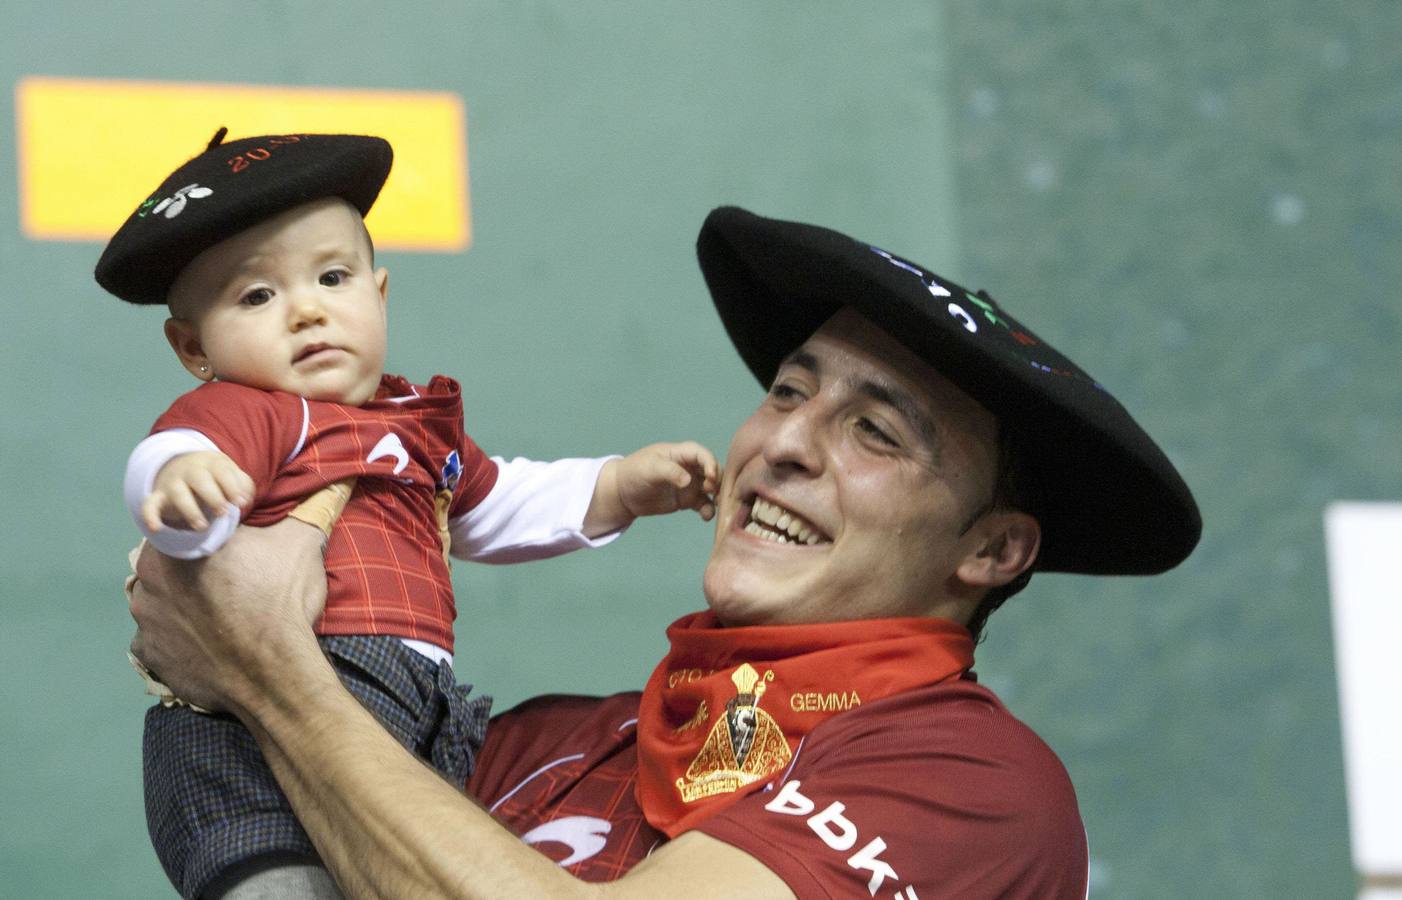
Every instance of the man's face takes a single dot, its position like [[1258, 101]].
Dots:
[[292, 304], [870, 463]]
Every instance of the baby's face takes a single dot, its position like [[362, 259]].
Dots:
[[292, 304]]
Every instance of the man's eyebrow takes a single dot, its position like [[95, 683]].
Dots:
[[903, 403], [890, 395], [803, 359]]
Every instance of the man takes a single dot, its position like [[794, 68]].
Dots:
[[816, 731]]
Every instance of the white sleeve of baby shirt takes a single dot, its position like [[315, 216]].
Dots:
[[143, 464], [534, 511]]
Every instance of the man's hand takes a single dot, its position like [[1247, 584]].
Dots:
[[653, 481], [194, 487], [221, 631]]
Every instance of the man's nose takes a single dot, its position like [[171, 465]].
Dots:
[[797, 440]]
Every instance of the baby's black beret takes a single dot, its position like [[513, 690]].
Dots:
[[231, 187]]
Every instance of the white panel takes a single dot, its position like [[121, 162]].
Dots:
[[1364, 543]]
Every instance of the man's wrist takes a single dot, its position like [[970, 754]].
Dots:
[[281, 681]]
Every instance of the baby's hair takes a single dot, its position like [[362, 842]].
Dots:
[[177, 309]]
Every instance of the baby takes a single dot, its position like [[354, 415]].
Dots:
[[260, 250]]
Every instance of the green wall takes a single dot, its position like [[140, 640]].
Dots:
[[1200, 205]]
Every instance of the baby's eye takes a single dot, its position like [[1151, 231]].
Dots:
[[256, 297], [333, 278]]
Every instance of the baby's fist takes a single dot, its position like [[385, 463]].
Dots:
[[664, 478], [193, 487]]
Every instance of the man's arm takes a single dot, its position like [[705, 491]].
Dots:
[[234, 632]]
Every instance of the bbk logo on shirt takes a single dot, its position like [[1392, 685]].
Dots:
[[840, 834]]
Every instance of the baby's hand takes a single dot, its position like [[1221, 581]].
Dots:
[[657, 479], [663, 478], [192, 487]]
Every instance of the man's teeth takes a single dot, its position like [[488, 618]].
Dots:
[[784, 526]]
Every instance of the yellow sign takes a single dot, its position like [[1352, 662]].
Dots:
[[91, 150]]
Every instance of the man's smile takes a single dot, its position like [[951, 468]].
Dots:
[[776, 523]]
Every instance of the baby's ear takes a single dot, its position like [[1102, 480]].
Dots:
[[185, 341], [382, 282]]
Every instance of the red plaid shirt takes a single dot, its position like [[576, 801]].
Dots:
[[384, 563]]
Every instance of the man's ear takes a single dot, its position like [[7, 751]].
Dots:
[[1006, 546], [185, 341]]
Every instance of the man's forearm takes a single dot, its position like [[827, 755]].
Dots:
[[385, 824]]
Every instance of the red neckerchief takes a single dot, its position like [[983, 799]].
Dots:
[[723, 713]]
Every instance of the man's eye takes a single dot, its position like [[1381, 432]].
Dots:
[[333, 278], [256, 297], [870, 428], [785, 397]]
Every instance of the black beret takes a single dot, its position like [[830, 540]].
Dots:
[[1108, 500], [229, 188]]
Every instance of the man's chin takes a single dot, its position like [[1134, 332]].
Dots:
[[728, 620], [736, 610], [730, 610], [741, 590], [726, 593]]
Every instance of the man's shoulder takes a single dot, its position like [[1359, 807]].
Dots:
[[959, 729], [939, 711]]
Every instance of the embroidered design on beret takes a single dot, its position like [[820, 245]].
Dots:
[[174, 205], [987, 309]]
